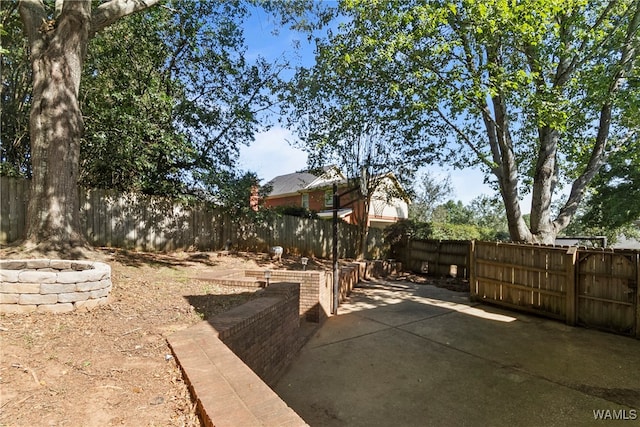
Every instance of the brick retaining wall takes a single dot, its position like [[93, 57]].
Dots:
[[264, 336], [263, 332], [315, 306]]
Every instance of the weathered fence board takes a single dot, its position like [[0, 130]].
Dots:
[[590, 287], [593, 288], [531, 278], [137, 221], [437, 257], [607, 290], [14, 194]]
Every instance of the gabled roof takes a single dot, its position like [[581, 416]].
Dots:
[[396, 183], [299, 182], [290, 184], [332, 175]]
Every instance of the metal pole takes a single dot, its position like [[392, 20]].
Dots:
[[336, 273]]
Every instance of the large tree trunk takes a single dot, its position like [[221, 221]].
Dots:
[[57, 50], [544, 182], [57, 53]]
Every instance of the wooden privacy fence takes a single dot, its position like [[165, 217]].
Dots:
[[437, 257], [607, 290], [587, 287], [13, 208], [137, 221]]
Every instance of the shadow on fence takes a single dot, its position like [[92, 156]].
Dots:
[[596, 288], [150, 223]]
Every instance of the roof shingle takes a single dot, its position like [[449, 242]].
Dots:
[[290, 183]]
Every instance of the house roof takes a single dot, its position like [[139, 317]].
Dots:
[[298, 182], [331, 175], [293, 183], [328, 214], [290, 183]]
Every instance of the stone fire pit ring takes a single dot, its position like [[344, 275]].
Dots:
[[53, 286]]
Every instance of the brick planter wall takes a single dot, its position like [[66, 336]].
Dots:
[[315, 290], [263, 332], [316, 287], [215, 356], [55, 286], [349, 278]]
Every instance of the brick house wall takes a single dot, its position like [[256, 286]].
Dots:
[[293, 200], [317, 202]]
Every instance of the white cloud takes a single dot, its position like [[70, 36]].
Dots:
[[271, 155]]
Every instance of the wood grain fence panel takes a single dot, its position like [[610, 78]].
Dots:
[[637, 256], [607, 290], [518, 295], [557, 280], [18, 211], [437, 257], [5, 203], [13, 198], [105, 203], [522, 276]]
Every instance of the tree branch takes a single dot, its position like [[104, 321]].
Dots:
[[32, 14], [465, 138], [109, 12], [598, 153]]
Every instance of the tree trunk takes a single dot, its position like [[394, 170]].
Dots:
[[507, 168], [363, 230], [544, 182], [57, 53]]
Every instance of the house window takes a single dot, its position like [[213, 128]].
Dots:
[[328, 198], [305, 200]]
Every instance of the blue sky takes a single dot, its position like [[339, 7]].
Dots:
[[271, 154]]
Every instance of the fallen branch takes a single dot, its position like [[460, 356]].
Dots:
[[130, 332], [17, 404]]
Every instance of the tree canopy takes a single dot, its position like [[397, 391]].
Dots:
[[612, 207], [430, 193], [14, 95], [615, 199], [537, 92], [175, 112], [167, 95]]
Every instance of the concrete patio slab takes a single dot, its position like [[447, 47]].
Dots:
[[417, 355]]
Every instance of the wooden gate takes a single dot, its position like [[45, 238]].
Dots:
[[607, 290]]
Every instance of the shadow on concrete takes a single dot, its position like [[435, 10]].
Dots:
[[414, 355]]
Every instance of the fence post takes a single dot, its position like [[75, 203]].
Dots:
[[405, 255], [572, 283], [438, 249], [472, 271], [638, 295]]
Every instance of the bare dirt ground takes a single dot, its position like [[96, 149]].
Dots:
[[112, 366]]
